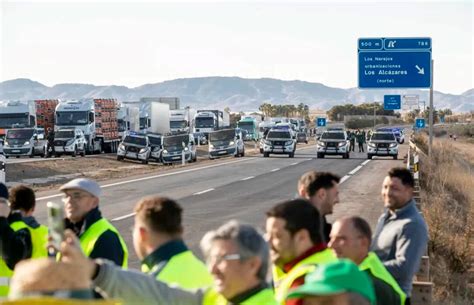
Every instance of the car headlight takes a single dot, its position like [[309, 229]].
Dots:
[[231, 143], [321, 143], [122, 147], [70, 142], [341, 144], [288, 142], [211, 146], [165, 151], [143, 150], [392, 145], [371, 145], [5, 143], [267, 142], [186, 149], [27, 143]]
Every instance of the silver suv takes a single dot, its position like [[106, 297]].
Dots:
[[382, 144], [333, 142]]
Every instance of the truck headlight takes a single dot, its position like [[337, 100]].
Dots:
[[341, 144], [392, 145]]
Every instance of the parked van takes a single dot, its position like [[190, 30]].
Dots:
[[24, 142]]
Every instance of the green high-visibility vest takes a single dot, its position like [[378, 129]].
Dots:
[[93, 233], [300, 269], [183, 269], [263, 297], [376, 267], [39, 242]]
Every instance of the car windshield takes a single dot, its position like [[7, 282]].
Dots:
[[20, 133], [135, 140], [176, 141], [333, 135], [156, 141], [71, 118], [204, 122], [64, 134], [383, 137], [222, 135], [278, 135]]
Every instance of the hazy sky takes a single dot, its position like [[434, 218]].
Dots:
[[133, 43]]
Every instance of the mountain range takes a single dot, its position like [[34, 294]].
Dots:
[[239, 94]]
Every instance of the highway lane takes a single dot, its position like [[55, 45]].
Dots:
[[235, 188]]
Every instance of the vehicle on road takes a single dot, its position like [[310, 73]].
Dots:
[[156, 144], [398, 132], [182, 120], [301, 137], [226, 142], [382, 143], [333, 142], [134, 146], [69, 142], [174, 146], [279, 141], [250, 126], [207, 121], [24, 142], [199, 137]]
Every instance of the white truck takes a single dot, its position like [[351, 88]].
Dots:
[[97, 118], [16, 114], [206, 121], [182, 120], [128, 118], [160, 118]]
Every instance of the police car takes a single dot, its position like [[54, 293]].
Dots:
[[134, 146], [382, 143]]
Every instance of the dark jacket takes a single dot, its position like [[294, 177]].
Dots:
[[107, 246], [326, 230], [16, 246], [384, 293]]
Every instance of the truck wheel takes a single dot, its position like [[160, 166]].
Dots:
[[266, 155]]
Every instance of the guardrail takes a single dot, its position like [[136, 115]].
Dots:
[[422, 293]]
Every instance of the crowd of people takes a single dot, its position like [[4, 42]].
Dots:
[[300, 259]]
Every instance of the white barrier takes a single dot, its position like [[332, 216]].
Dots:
[[2, 169]]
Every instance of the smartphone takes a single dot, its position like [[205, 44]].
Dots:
[[55, 223]]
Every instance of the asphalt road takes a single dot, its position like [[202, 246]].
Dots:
[[233, 188]]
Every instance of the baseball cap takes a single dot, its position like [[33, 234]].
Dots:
[[3, 191], [335, 278], [83, 184]]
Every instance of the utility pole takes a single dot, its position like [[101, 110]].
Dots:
[[430, 142], [375, 105]]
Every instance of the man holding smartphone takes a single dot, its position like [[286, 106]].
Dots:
[[98, 237], [21, 235]]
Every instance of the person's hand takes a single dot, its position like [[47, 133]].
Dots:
[[72, 253], [4, 209]]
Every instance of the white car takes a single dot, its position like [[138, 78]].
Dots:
[[333, 142], [135, 146], [382, 143], [69, 142], [280, 142]]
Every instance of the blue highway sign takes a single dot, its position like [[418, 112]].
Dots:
[[321, 122], [392, 102], [394, 63], [420, 123]]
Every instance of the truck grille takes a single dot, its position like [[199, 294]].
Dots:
[[278, 143], [382, 145], [331, 144], [59, 143], [132, 149]]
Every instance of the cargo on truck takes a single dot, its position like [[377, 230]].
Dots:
[[97, 118], [173, 102]]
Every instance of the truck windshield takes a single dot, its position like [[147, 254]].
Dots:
[[333, 135], [64, 134], [278, 135], [204, 122], [20, 133], [178, 124], [11, 120], [223, 135], [144, 123], [383, 137], [122, 125], [249, 126], [64, 118], [135, 140], [176, 141]]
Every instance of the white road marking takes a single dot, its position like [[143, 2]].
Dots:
[[275, 169], [123, 217], [344, 179], [294, 163], [365, 162], [355, 170], [202, 192], [158, 176], [248, 178]]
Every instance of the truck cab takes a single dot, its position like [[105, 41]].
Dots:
[[226, 142], [175, 145], [69, 141], [24, 142], [134, 146], [279, 141]]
